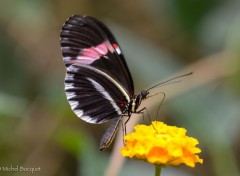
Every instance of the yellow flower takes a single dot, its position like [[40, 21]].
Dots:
[[161, 144]]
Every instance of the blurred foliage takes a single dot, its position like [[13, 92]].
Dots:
[[159, 38], [190, 13]]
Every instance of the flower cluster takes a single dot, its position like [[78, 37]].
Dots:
[[161, 144]]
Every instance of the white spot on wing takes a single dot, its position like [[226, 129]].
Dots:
[[70, 95], [80, 114], [68, 86], [74, 104], [88, 119], [118, 50]]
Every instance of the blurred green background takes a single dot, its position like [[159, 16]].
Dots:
[[159, 38]]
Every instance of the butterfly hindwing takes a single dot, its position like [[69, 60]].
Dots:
[[92, 95]]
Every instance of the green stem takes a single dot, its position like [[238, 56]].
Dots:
[[157, 170]]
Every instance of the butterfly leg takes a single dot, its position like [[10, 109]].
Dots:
[[164, 95], [125, 125], [110, 133]]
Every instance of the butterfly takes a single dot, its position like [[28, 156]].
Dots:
[[98, 84]]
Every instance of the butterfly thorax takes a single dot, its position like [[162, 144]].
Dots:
[[134, 103]]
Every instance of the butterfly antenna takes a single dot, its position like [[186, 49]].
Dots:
[[170, 81]]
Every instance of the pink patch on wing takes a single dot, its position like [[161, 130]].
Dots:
[[101, 49], [89, 55], [90, 52]]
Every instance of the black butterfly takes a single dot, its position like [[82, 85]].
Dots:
[[98, 83]]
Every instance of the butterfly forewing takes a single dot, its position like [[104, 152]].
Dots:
[[98, 83], [88, 41]]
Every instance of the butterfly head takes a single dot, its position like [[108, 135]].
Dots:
[[144, 94]]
